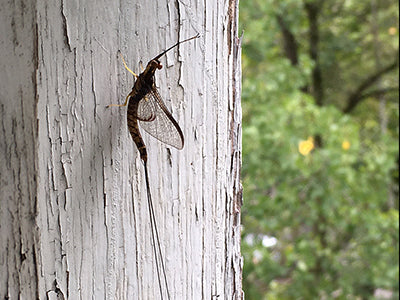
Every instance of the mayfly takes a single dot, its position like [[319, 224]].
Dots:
[[146, 106]]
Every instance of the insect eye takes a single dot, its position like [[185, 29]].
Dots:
[[159, 66]]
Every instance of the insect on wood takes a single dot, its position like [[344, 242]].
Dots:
[[146, 106]]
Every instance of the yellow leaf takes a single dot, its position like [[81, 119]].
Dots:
[[346, 145], [392, 30], [305, 147]]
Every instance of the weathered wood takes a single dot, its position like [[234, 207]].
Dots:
[[72, 175], [18, 151]]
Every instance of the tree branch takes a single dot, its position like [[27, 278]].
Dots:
[[290, 46], [313, 10], [379, 92], [355, 98]]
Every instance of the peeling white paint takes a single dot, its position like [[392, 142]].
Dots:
[[71, 176]]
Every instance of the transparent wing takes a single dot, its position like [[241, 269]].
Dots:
[[146, 109], [164, 127]]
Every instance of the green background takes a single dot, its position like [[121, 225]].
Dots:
[[328, 71]]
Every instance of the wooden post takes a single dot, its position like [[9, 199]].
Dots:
[[74, 221]]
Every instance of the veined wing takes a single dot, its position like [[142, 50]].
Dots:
[[146, 109], [164, 127]]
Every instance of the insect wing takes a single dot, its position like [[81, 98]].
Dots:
[[163, 127], [146, 109]]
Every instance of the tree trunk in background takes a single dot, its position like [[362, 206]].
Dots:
[[74, 220]]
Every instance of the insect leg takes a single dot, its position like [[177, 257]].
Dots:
[[125, 104], [134, 75], [126, 67]]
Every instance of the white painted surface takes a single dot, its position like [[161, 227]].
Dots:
[[72, 171]]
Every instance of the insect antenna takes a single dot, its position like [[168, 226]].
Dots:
[[180, 42], [153, 225]]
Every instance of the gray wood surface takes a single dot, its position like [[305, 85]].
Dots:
[[74, 220]]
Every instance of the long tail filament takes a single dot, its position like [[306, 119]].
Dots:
[[155, 237]]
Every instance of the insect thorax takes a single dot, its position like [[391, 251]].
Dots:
[[142, 88]]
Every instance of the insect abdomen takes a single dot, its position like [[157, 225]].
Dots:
[[134, 128]]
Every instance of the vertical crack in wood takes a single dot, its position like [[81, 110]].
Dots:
[[35, 74], [234, 45], [65, 27]]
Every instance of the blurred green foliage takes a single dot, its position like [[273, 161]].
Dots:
[[334, 210]]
